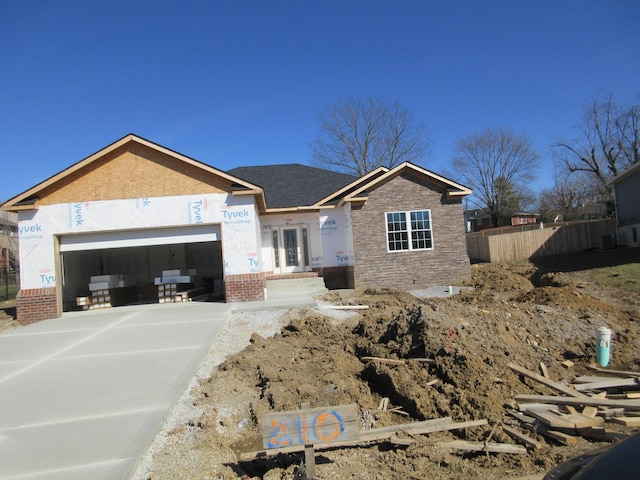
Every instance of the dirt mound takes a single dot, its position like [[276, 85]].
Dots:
[[496, 281], [512, 314]]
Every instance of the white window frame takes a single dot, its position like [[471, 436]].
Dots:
[[409, 230]]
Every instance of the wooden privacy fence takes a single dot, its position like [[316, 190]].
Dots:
[[553, 239]]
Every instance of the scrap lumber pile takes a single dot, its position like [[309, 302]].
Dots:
[[583, 409], [402, 434]]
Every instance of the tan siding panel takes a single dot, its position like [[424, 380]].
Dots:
[[133, 171]]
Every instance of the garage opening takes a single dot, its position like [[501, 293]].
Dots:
[[133, 266]]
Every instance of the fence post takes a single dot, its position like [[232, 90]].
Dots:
[[6, 283]]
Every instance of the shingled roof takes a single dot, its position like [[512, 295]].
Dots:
[[293, 185]]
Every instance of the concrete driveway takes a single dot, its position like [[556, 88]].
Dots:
[[82, 396]]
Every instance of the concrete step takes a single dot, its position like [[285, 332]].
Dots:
[[295, 286]]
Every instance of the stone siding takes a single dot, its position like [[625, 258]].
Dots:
[[446, 264]]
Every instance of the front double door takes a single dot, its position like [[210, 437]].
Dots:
[[290, 248]]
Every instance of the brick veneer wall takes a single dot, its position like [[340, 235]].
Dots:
[[446, 264], [244, 288], [36, 304]]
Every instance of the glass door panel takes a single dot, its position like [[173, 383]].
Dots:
[[290, 249], [290, 238]]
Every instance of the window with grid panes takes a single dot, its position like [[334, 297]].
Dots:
[[409, 230]]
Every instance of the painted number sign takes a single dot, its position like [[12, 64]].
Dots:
[[310, 426]]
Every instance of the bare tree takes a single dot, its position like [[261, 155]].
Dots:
[[358, 136], [498, 165], [627, 134], [562, 201], [607, 141]]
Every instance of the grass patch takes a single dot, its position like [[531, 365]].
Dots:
[[625, 277]]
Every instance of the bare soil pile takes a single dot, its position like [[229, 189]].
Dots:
[[513, 313]]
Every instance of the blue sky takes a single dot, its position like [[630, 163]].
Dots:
[[234, 83]]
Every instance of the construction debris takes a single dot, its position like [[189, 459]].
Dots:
[[558, 418], [324, 358], [375, 435]]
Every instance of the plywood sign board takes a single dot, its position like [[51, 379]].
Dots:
[[310, 426]]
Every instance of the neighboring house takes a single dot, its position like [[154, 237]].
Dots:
[[626, 187], [137, 209], [8, 242], [480, 219]]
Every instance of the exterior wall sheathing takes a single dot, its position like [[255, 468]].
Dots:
[[446, 264]]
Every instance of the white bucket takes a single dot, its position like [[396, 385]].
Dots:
[[603, 346]]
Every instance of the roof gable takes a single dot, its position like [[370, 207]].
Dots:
[[450, 188], [132, 167]]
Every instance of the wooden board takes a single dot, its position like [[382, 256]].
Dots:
[[545, 381], [375, 434], [310, 426], [590, 411], [626, 421], [623, 373], [587, 401], [521, 437], [388, 361], [609, 383], [571, 420], [561, 437], [543, 369], [420, 428], [483, 447]]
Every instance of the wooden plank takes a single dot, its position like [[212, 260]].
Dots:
[[590, 379], [587, 401], [545, 381], [345, 307], [610, 383], [590, 411], [521, 437], [601, 435], [624, 373], [626, 421], [571, 421], [375, 434], [420, 428], [527, 407], [389, 361], [393, 361], [405, 442], [490, 447], [521, 417], [310, 426], [561, 437], [543, 369]]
